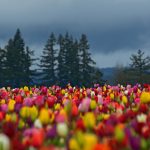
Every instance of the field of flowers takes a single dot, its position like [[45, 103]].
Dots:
[[55, 118]]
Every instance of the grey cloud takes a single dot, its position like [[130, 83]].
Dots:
[[131, 37], [111, 25]]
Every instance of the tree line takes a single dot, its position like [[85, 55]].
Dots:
[[64, 60], [138, 70]]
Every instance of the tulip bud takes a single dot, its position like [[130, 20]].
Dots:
[[112, 96], [124, 99], [89, 116], [119, 133], [38, 123], [25, 112], [141, 118], [4, 142], [92, 94], [62, 129], [33, 113], [21, 124], [11, 105], [44, 116], [90, 140], [73, 144], [93, 104], [145, 97]]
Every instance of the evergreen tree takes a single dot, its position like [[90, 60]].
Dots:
[[11, 64], [48, 61], [17, 62], [87, 63], [139, 66], [69, 58], [62, 68], [2, 67], [67, 48], [75, 66], [30, 73], [138, 71], [68, 61]]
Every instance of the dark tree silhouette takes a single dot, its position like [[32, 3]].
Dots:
[[48, 61], [2, 67], [18, 62]]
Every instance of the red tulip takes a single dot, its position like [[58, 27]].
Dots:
[[74, 110], [37, 138], [18, 99], [50, 101], [80, 124]]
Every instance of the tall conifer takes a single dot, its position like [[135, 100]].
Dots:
[[17, 62], [87, 64], [48, 61], [2, 67]]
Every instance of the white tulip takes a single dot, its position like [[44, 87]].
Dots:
[[4, 142], [37, 123], [141, 118], [62, 129]]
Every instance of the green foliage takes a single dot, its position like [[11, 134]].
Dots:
[[137, 72], [30, 73], [2, 67], [139, 66], [48, 61], [64, 60], [62, 68], [73, 63], [18, 62], [86, 63]]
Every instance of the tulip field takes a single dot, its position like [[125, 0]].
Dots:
[[71, 118]]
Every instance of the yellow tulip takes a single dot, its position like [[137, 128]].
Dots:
[[8, 117], [2, 101], [73, 144], [44, 116], [11, 105], [25, 112], [124, 99], [104, 88], [33, 112], [93, 104], [89, 120], [145, 97], [21, 124], [112, 96], [106, 116], [90, 140], [57, 106], [26, 89]]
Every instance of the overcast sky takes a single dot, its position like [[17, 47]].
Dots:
[[115, 28]]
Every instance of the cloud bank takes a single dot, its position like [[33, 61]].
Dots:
[[111, 25]]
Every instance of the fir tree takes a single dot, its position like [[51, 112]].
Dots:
[[139, 66], [30, 73], [75, 72], [68, 61], [62, 68], [17, 62], [86, 66], [2, 67], [68, 57], [48, 61]]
